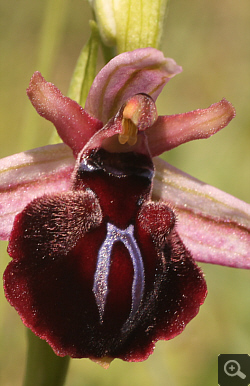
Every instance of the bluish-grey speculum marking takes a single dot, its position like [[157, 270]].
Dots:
[[100, 287]]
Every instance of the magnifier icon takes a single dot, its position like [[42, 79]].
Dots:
[[234, 368]]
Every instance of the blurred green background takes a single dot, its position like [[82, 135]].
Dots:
[[211, 40]]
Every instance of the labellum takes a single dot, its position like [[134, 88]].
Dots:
[[100, 271]]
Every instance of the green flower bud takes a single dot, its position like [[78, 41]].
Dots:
[[130, 24]]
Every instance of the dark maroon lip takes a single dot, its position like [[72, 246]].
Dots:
[[100, 271]]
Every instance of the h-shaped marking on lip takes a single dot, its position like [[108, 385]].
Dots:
[[100, 287]]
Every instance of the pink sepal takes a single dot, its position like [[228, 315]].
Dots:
[[144, 70], [170, 131], [214, 225], [31, 174], [74, 125]]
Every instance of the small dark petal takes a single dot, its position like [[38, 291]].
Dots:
[[157, 219], [54, 223]]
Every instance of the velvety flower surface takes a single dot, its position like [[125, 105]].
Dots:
[[98, 269]]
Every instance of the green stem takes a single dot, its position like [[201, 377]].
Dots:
[[108, 52], [44, 367], [85, 70], [50, 40]]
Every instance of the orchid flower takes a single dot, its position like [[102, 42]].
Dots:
[[104, 243]]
